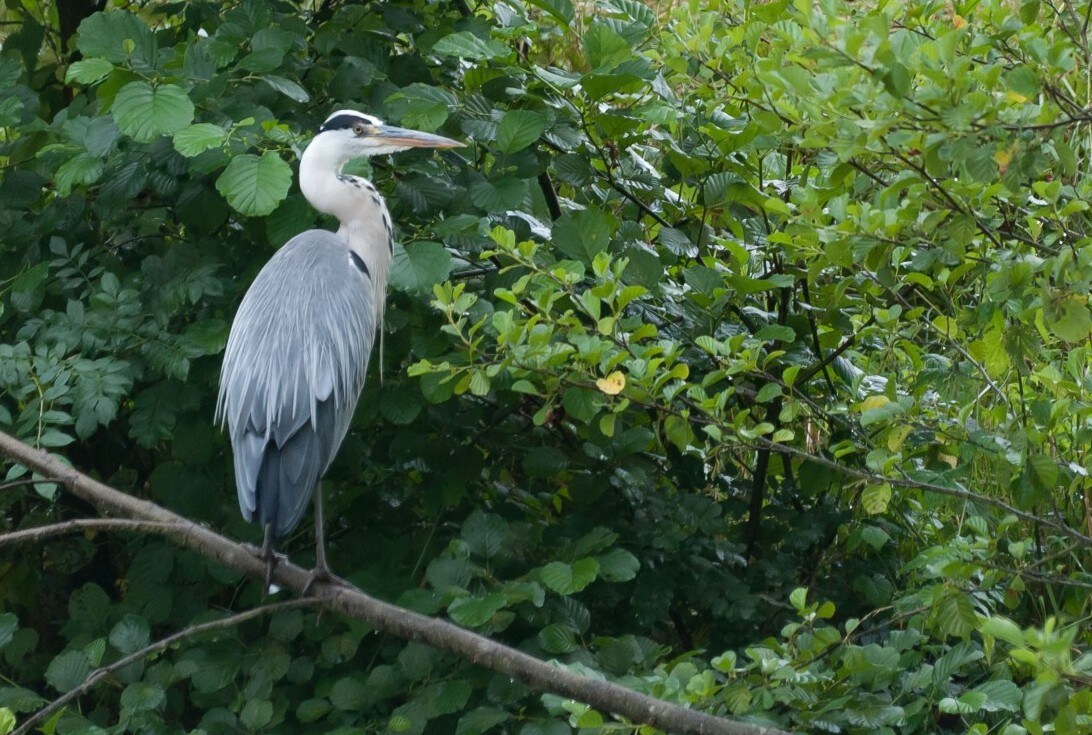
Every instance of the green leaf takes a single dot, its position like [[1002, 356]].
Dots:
[[26, 287], [474, 612], [117, 37], [500, 194], [254, 185], [990, 352], [603, 48], [87, 71], [1073, 321], [83, 170], [562, 10], [1043, 472], [875, 536], [288, 88], [618, 565], [131, 634], [256, 714], [999, 695], [141, 697], [581, 403], [68, 670], [519, 129], [198, 138], [420, 266], [7, 721], [583, 235], [480, 720], [1003, 629], [421, 106], [558, 638], [599, 538], [144, 112], [702, 279], [768, 392], [484, 533], [8, 625], [445, 697], [312, 710], [876, 498], [897, 80], [466, 45], [955, 615], [679, 432], [11, 111], [349, 694], [208, 337], [776, 332], [565, 579]]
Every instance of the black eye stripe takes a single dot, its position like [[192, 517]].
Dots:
[[343, 122]]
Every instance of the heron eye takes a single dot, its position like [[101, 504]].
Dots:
[[360, 129]]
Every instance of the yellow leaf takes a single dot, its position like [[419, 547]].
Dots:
[[958, 21], [897, 437], [873, 402], [875, 498], [613, 384], [947, 326]]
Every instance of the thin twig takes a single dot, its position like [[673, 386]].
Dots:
[[911, 484], [943, 333], [26, 481], [39, 533], [103, 671]]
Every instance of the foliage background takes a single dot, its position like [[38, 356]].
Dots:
[[742, 357]]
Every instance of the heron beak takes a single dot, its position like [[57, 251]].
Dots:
[[414, 138]]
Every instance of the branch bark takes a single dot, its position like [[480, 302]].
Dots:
[[40, 533], [539, 675]]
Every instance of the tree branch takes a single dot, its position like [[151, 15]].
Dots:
[[25, 481], [34, 535], [550, 194], [905, 481], [539, 675]]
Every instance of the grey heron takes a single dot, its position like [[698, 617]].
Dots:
[[298, 348]]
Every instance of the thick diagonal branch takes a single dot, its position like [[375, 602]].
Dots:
[[539, 675]]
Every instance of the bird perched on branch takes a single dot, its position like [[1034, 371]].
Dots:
[[298, 349]]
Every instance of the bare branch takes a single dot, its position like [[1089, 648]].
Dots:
[[26, 481], [911, 484], [408, 625], [34, 535]]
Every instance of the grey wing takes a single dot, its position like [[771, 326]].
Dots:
[[295, 362]]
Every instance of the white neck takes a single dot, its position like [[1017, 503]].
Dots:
[[365, 223]]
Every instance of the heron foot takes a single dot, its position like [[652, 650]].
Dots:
[[271, 559], [322, 573]]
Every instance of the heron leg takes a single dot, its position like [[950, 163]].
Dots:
[[320, 535], [321, 572], [268, 555]]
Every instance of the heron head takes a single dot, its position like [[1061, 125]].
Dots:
[[365, 135]]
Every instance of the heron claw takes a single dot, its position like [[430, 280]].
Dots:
[[322, 573], [271, 559]]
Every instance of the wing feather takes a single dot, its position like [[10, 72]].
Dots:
[[295, 362]]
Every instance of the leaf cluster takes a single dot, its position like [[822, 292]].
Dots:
[[741, 358]]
